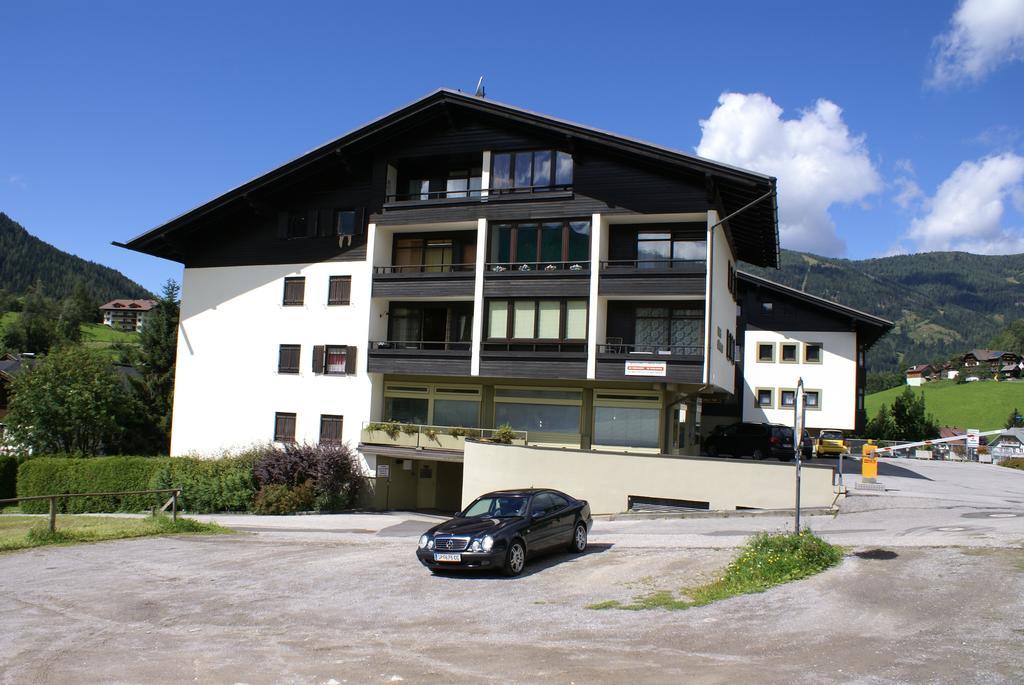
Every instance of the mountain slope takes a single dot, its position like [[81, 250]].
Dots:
[[943, 303], [24, 259]]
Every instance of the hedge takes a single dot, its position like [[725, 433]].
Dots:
[[56, 476], [8, 477], [209, 485]]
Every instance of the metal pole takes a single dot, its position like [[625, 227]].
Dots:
[[174, 506], [53, 514], [798, 436]]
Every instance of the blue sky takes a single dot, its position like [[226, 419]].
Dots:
[[892, 127]]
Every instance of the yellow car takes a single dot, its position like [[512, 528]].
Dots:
[[831, 443]]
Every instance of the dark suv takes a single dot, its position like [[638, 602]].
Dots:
[[757, 440]]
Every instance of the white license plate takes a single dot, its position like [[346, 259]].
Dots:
[[447, 557]]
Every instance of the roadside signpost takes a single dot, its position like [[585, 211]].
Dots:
[[798, 433], [973, 442]]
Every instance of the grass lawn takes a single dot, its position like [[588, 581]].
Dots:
[[983, 404], [22, 532], [764, 562], [97, 332]]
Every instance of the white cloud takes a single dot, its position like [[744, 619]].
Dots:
[[983, 34], [966, 213], [909, 192], [18, 182], [816, 159]]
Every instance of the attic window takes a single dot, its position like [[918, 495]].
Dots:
[[767, 308], [297, 225], [531, 170], [345, 222]]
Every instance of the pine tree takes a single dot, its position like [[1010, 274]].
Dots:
[[158, 344]]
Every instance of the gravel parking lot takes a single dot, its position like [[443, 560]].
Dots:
[[342, 600]]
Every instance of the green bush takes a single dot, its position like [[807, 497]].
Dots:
[[56, 476], [210, 485], [8, 477], [284, 499], [1013, 463]]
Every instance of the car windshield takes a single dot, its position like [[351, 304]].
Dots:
[[831, 435], [497, 506]]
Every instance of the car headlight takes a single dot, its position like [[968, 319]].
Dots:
[[487, 543], [475, 546], [424, 540]]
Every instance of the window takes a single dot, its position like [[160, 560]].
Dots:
[[284, 427], [812, 399], [294, 291], [288, 359], [537, 319], [763, 398], [788, 354], [787, 399], [539, 409], [330, 429], [812, 353], [765, 352], [732, 279], [767, 308], [347, 222], [636, 425], [436, 405], [298, 225], [339, 290], [661, 249], [334, 360], [730, 346], [531, 170], [673, 329], [546, 245]]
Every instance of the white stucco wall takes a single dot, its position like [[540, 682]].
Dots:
[[721, 308], [227, 388], [835, 377]]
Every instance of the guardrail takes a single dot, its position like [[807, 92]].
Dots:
[[393, 345], [647, 350], [578, 266], [465, 268], [173, 501]]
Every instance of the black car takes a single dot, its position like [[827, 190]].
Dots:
[[757, 440], [807, 447], [499, 530]]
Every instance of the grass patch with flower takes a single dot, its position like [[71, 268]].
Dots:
[[764, 562]]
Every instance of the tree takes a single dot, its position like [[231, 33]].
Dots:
[[70, 402], [907, 420], [1015, 420], [35, 328], [158, 345]]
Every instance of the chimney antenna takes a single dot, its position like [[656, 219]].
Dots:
[[480, 88]]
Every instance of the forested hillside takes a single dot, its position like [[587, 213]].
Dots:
[[25, 260], [943, 303]]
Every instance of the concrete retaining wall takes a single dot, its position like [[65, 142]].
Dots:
[[607, 479]]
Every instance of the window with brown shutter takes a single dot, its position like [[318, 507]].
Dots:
[[284, 427], [294, 291], [288, 358], [334, 360], [340, 290], [330, 428]]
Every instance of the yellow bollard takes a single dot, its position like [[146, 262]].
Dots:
[[869, 466]]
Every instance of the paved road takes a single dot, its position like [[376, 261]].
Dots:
[[322, 599]]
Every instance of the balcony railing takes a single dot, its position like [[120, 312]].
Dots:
[[678, 265], [424, 269], [435, 195], [651, 350], [418, 345], [579, 267], [427, 437]]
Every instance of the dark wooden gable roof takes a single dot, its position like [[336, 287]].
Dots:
[[754, 232]]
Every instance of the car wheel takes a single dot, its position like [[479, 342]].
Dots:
[[515, 560], [758, 455], [579, 538]]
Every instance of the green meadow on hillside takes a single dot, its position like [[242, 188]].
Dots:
[[983, 405], [94, 335]]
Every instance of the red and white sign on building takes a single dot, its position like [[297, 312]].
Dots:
[[646, 368]]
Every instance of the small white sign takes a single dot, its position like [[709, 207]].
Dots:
[[973, 437], [646, 368], [383, 470]]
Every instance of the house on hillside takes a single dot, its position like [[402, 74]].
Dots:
[[1009, 443], [127, 315], [920, 374], [991, 360], [459, 265]]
